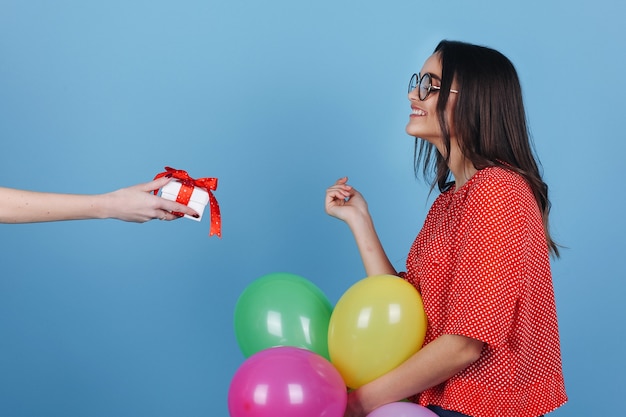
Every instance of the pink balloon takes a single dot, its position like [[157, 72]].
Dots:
[[287, 381], [402, 409]]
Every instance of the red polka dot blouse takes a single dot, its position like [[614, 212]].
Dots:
[[481, 264]]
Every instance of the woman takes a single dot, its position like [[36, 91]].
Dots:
[[481, 260], [131, 204]]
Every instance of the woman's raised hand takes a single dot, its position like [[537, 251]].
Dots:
[[345, 202]]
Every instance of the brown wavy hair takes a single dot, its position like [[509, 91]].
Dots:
[[489, 120]]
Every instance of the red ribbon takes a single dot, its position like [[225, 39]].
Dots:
[[188, 183]]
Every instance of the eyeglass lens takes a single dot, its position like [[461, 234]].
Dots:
[[424, 83], [413, 82]]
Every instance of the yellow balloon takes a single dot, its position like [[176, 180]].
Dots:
[[376, 325]]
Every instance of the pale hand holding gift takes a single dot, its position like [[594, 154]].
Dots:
[[194, 193]]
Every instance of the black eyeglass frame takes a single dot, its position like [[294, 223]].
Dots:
[[417, 80]]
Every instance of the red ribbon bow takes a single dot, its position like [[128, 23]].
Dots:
[[209, 184]]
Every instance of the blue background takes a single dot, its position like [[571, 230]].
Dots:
[[277, 99]]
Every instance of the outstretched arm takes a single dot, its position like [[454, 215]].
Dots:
[[347, 204], [132, 204]]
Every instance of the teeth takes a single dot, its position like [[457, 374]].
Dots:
[[419, 112]]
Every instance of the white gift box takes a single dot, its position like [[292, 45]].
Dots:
[[198, 201]]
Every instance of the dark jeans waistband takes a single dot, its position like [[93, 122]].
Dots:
[[447, 413]]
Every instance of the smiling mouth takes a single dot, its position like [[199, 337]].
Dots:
[[418, 112]]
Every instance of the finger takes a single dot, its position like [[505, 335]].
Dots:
[[164, 215], [339, 200], [340, 191], [341, 185], [154, 184], [168, 216], [337, 194], [174, 207]]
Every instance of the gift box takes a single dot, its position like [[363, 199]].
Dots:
[[194, 193], [198, 197]]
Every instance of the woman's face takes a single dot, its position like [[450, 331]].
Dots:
[[423, 122]]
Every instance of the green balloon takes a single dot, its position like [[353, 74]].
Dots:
[[282, 309]]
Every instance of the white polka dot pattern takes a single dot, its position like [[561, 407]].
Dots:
[[481, 264]]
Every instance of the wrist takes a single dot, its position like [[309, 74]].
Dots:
[[102, 206], [361, 402], [355, 405], [360, 221]]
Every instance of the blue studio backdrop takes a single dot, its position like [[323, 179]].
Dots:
[[277, 99]]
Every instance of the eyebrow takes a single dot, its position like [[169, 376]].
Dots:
[[435, 76]]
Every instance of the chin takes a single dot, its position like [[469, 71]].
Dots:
[[411, 131]]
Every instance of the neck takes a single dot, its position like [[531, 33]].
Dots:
[[462, 168]]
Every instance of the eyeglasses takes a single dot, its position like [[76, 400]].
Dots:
[[425, 85]]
